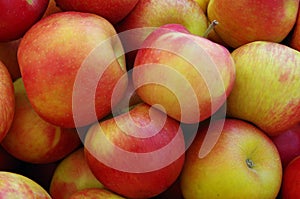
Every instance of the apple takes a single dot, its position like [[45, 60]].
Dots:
[[33, 140], [14, 185], [149, 14], [62, 70], [244, 21], [295, 38], [173, 64], [71, 175], [266, 90], [137, 154], [244, 163], [288, 144], [8, 55], [18, 16], [112, 10], [290, 180], [7, 101], [94, 193]]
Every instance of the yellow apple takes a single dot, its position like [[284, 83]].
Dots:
[[244, 163]]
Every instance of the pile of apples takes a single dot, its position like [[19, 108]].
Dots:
[[179, 99]]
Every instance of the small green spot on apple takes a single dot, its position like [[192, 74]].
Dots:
[[30, 2], [250, 163]]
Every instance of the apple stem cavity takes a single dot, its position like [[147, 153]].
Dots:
[[211, 26], [249, 163]]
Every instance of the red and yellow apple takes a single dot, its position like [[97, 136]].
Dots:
[[33, 140], [173, 64], [244, 163], [14, 185], [244, 21], [18, 16], [137, 154], [266, 89], [72, 60], [71, 175], [7, 101]]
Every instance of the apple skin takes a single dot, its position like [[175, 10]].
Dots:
[[7, 101], [295, 38], [33, 140], [288, 144], [245, 21], [164, 60], [94, 193], [121, 152], [71, 175], [8, 55], [14, 185], [224, 172], [291, 176], [17, 17], [112, 10], [266, 87], [50, 71]]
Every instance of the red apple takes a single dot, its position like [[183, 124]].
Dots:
[[7, 101], [17, 16], [112, 10], [137, 154], [72, 175], [94, 193], [8, 55], [172, 65], [34, 140], [288, 144], [14, 185], [295, 38], [244, 163], [245, 21], [266, 89], [291, 178], [62, 70]]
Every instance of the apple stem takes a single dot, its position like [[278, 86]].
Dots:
[[211, 26], [249, 163]]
